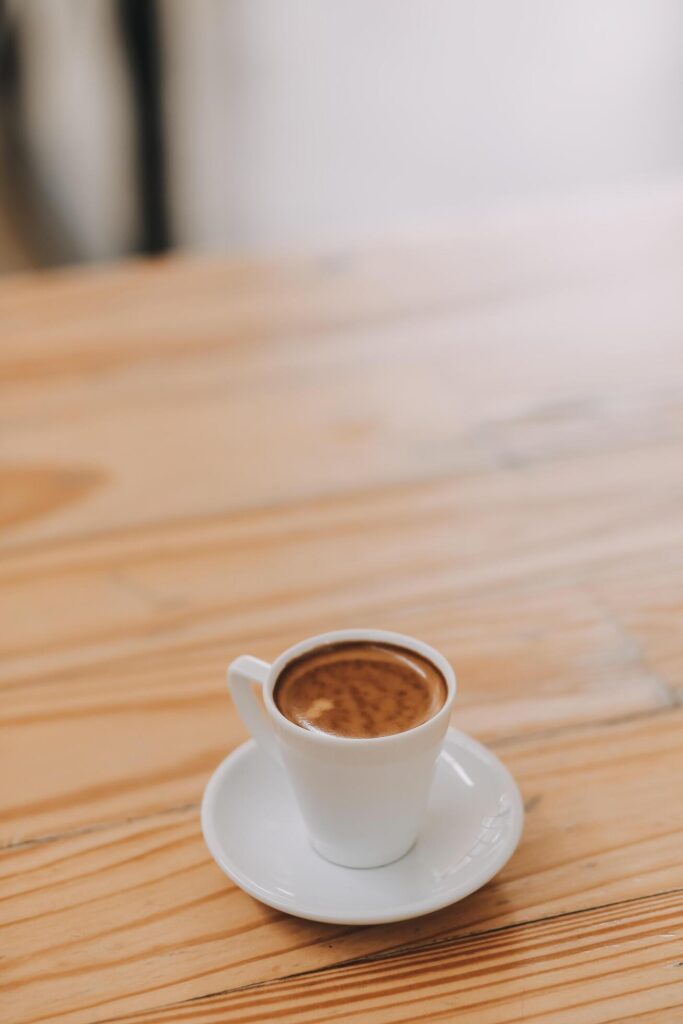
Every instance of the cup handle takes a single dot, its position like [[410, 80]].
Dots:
[[243, 672]]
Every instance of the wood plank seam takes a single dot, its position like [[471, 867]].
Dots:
[[387, 956], [100, 826], [554, 732]]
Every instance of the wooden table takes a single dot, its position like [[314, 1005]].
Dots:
[[475, 438]]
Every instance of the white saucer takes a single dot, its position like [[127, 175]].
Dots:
[[252, 828]]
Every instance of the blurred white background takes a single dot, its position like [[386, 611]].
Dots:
[[337, 117], [296, 122]]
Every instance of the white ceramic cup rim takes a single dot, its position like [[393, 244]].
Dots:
[[379, 636]]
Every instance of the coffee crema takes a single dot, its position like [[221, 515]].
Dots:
[[360, 689]]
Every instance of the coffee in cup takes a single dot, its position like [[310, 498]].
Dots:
[[360, 689]]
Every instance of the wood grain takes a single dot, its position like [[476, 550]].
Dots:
[[314, 377], [522, 576], [589, 966], [137, 916], [130, 634], [477, 439]]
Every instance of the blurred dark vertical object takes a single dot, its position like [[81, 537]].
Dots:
[[9, 81], [14, 207], [140, 31], [38, 233]]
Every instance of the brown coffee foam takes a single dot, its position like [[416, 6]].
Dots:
[[360, 689]]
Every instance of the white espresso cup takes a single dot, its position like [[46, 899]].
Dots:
[[362, 800]]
